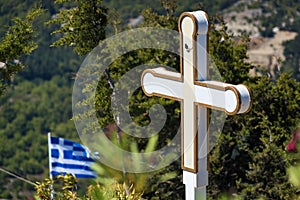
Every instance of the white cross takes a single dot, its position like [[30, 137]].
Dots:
[[196, 94]]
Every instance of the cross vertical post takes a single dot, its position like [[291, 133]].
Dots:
[[196, 93], [193, 28]]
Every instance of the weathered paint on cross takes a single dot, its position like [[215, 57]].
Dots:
[[196, 94]]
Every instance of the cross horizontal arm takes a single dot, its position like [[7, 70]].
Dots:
[[162, 82], [233, 99]]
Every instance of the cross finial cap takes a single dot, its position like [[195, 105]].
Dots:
[[200, 19]]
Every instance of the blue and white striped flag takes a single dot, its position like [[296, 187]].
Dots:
[[70, 157]]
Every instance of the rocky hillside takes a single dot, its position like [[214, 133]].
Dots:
[[266, 52]]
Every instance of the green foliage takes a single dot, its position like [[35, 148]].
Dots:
[[18, 41], [139, 104], [293, 172], [64, 187], [82, 26], [111, 183], [44, 189], [251, 154], [250, 158], [229, 53], [294, 175], [145, 183], [27, 113], [45, 62]]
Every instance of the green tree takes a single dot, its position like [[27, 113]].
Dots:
[[18, 41], [82, 25], [250, 159], [140, 113]]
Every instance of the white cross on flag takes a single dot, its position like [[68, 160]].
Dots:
[[70, 157]]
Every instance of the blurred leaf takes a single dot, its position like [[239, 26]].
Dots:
[[294, 175]]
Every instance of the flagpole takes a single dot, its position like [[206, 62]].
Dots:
[[50, 166]]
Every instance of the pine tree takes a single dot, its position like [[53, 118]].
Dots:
[[249, 158], [17, 42], [82, 26]]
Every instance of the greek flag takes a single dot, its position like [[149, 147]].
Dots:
[[66, 156]]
